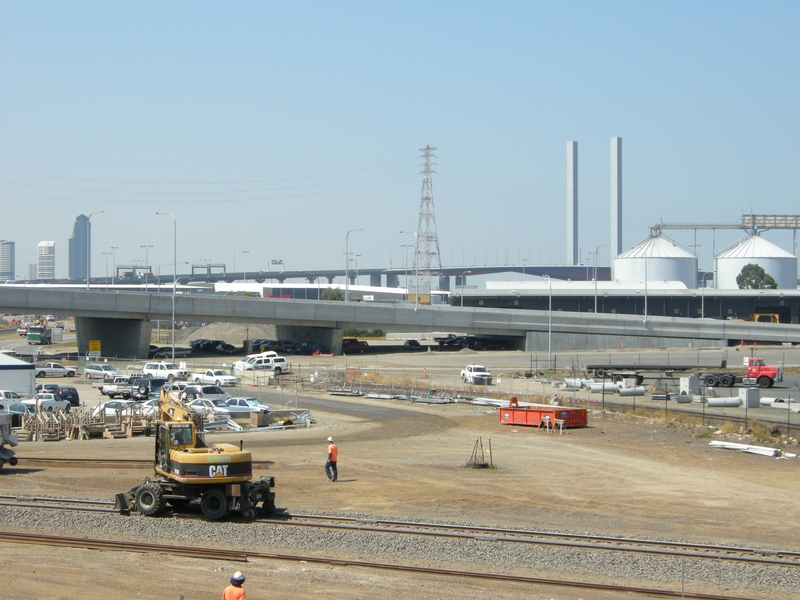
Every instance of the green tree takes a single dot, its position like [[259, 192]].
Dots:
[[332, 294], [753, 277]]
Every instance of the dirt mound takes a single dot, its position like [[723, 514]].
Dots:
[[232, 333]]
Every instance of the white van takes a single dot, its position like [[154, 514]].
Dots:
[[268, 361]]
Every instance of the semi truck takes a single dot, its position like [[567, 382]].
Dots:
[[39, 334], [758, 373]]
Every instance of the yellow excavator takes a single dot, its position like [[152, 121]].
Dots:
[[187, 469]]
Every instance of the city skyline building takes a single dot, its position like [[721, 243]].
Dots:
[[80, 245], [7, 260], [31, 271], [46, 260]]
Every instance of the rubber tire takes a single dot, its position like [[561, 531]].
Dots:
[[215, 505], [149, 499], [170, 377], [142, 389], [599, 372], [217, 383], [189, 397], [41, 374], [764, 382], [710, 381], [70, 373], [726, 381], [249, 514], [13, 461], [277, 371], [639, 380], [179, 502], [617, 379], [197, 380]]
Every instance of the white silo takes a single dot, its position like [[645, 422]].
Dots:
[[753, 249], [660, 259]]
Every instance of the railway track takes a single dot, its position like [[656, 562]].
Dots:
[[225, 554], [683, 550]]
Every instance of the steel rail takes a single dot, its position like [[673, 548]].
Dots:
[[217, 553], [465, 532], [699, 551]]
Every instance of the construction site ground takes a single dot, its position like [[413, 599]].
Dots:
[[623, 474]]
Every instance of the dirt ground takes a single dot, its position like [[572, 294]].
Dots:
[[620, 475], [623, 475]]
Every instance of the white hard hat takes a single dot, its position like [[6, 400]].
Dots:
[[238, 578], [330, 439]]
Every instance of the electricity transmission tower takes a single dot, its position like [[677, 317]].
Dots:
[[427, 255]]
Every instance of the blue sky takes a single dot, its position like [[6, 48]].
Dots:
[[274, 128]]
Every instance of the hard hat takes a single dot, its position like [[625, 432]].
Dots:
[[330, 439], [238, 578]]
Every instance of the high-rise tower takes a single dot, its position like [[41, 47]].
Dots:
[[7, 261], [80, 245], [426, 253], [46, 260]]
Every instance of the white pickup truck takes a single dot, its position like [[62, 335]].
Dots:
[[162, 370], [52, 369], [476, 375], [216, 377]]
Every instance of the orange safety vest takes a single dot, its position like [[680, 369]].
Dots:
[[233, 592], [333, 451]]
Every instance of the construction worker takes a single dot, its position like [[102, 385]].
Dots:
[[235, 591], [330, 465]]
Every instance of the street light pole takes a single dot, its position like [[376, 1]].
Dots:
[[89, 244], [463, 284], [174, 272], [106, 255], [549, 322], [146, 265], [245, 253], [347, 264], [416, 274], [114, 263]]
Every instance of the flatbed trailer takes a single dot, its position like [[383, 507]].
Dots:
[[758, 374]]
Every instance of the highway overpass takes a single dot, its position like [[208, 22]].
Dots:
[[122, 321]]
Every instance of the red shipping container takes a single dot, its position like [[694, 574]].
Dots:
[[532, 416]]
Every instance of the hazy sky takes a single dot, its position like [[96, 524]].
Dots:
[[275, 127]]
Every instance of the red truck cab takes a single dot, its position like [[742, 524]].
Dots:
[[764, 375]]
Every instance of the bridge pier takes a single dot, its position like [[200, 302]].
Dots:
[[375, 279], [444, 283], [325, 337], [121, 338], [392, 280]]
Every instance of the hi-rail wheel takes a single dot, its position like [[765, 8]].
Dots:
[[215, 504], [149, 499]]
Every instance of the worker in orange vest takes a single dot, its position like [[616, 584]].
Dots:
[[330, 466], [235, 591]]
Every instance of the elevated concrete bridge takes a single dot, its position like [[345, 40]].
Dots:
[[122, 321]]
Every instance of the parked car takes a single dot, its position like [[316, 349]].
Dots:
[[216, 377], [268, 361], [354, 346], [165, 370], [167, 352], [152, 350], [142, 387], [70, 394], [46, 402], [100, 371], [210, 344], [198, 343], [306, 349], [53, 369], [9, 396], [253, 404], [22, 329], [412, 345], [224, 348], [211, 408], [206, 392]]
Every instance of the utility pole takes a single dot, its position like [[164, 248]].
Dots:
[[426, 253]]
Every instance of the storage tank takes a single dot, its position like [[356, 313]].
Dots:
[[663, 260], [753, 249]]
